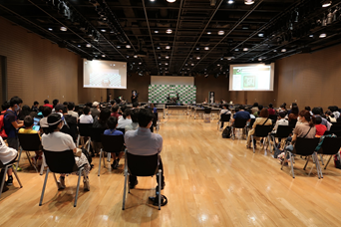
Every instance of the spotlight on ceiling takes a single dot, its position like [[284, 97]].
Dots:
[[284, 50], [158, 48], [88, 45], [323, 35], [198, 58], [169, 31], [128, 46], [156, 31], [230, 1], [167, 57], [192, 64], [311, 36], [236, 49], [103, 55], [218, 65], [166, 63], [64, 29], [171, 1], [275, 51], [261, 34], [245, 49], [209, 33], [50, 29], [79, 45], [118, 47], [326, 3], [127, 56], [249, 2], [103, 30], [221, 33], [135, 56], [259, 59], [206, 48], [168, 47], [140, 63]]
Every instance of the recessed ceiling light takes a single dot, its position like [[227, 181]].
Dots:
[[218, 65], [323, 35], [158, 48], [160, 63], [230, 2], [79, 45], [192, 64], [209, 33], [198, 58], [311, 36], [249, 2], [169, 31], [206, 48], [197, 48], [127, 56], [156, 31], [103, 30], [103, 55], [236, 49], [326, 3], [259, 59], [140, 63], [245, 49], [186, 64], [261, 34], [284, 50], [167, 47], [171, 1], [128, 46], [50, 29], [167, 57], [166, 63], [64, 29], [275, 51], [135, 56], [88, 45], [221, 33], [152, 0], [118, 47], [112, 31], [159, 57]]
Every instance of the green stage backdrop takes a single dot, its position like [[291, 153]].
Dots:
[[158, 93]]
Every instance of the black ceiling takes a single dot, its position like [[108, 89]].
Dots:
[[291, 25]]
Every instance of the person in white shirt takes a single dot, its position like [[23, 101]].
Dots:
[[86, 118], [7, 155], [134, 117], [71, 108], [281, 121], [125, 119], [56, 141]]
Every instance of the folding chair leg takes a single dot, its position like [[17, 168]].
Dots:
[[306, 163], [285, 159], [328, 162], [44, 186], [232, 130], [124, 191], [292, 165], [253, 145], [55, 179], [273, 142], [19, 158], [100, 158], [16, 176], [89, 144], [3, 180], [318, 167], [42, 165], [269, 143], [79, 180], [108, 156], [78, 137], [159, 197]]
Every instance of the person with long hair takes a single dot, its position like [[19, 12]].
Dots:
[[263, 119], [55, 141]]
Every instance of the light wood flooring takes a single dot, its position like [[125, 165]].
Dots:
[[210, 181]]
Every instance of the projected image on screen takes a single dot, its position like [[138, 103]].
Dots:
[[252, 77], [105, 74]]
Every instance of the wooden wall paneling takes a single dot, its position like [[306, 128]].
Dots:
[[218, 85]]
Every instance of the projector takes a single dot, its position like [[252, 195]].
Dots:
[[141, 54]]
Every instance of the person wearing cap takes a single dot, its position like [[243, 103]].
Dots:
[[95, 110], [56, 141]]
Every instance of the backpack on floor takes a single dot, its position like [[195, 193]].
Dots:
[[227, 132], [88, 156], [337, 161]]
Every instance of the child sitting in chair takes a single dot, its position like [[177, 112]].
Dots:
[[112, 124]]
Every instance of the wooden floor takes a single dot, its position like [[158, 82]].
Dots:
[[210, 181]]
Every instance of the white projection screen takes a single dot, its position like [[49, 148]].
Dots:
[[252, 77], [104, 74]]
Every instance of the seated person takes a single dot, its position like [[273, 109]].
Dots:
[[56, 141], [263, 119], [86, 117], [43, 122], [115, 111], [7, 155], [280, 121], [225, 111], [125, 120], [134, 117], [240, 114], [320, 128], [330, 117], [271, 109], [35, 106], [112, 124], [255, 109], [29, 123], [100, 122], [143, 142]]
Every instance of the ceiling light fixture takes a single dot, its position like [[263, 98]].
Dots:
[[259, 59], [236, 49], [245, 49], [221, 33], [88, 45], [79, 45], [167, 57], [135, 56], [192, 64], [261, 34], [158, 48], [198, 58], [128, 46], [156, 31], [168, 47], [169, 31], [103, 30], [230, 2], [206, 48], [103, 55], [140, 63], [171, 1], [249, 2], [64, 29], [326, 3], [197, 48], [284, 50], [311, 36], [118, 47], [127, 56], [50, 29], [218, 65], [323, 35], [209, 33], [166, 63]]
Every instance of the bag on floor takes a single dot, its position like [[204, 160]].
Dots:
[[277, 152], [337, 161], [227, 132], [88, 156]]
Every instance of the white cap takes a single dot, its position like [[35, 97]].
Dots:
[[95, 103]]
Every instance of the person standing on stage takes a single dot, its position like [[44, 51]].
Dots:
[[134, 97]]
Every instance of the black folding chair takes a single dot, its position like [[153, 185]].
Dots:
[[330, 146], [63, 163], [273, 117], [141, 166], [7, 166], [335, 127], [29, 142], [249, 126], [292, 123], [282, 132], [239, 123], [303, 147], [122, 130], [110, 144], [85, 130], [337, 133], [261, 131], [207, 114], [224, 118]]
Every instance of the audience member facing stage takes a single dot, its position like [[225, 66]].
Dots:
[[114, 111], [47, 103], [320, 128], [293, 115], [86, 117], [263, 119], [143, 142], [330, 117], [112, 124], [335, 111], [7, 155], [225, 111], [100, 122], [255, 109], [125, 119], [317, 112], [271, 110], [134, 117], [43, 122], [95, 110], [71, 110], [280, 121], [56, 141], [35, 107]]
